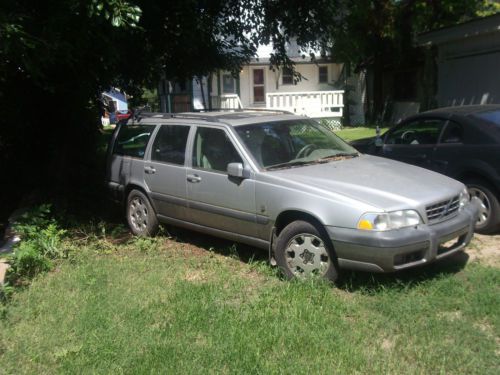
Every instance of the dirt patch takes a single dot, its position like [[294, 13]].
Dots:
[[485, 249]]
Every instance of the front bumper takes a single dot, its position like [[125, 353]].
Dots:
[[403, 248]]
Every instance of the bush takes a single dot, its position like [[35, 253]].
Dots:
[[41, 242]]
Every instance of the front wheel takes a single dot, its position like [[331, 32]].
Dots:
[[488, 220], [141, 217], [304, 250]]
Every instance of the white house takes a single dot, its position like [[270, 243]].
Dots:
[[258, 86]]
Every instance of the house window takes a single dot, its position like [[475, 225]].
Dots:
[[228, 84], [259, 94], [287, 76], [323, 74]]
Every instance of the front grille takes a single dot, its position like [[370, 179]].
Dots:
[[442, 210]]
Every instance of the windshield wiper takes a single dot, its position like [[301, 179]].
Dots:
[[338, 156], [295, 163], [290, 164]]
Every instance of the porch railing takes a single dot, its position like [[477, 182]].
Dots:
[[314, 104], [226, 101]]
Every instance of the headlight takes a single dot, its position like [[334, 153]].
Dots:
[[464, 198], [389, 220]]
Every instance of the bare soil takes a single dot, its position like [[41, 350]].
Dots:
[[485, 249]]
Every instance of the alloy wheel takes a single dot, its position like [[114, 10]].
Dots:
[[484, 208]]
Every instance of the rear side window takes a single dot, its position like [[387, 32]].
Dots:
[[453, 133], [418, 132], [132, 140], [490, 116], [170, 144]]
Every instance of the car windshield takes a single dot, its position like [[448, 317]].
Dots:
[[285, 144]]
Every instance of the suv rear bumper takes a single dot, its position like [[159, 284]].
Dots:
[[403, 248]]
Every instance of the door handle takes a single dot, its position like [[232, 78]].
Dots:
[[193, 178], [149, 170]]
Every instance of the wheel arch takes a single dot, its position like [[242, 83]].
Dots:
[[288, 216], [133, 186], [468, 175]]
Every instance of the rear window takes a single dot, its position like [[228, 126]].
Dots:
[[491, 116], [132, 140]]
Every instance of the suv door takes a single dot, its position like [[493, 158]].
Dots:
[[126, 158], [215, 199], [165, 171], [413, 142]]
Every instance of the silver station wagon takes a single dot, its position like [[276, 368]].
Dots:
[[286, 184]]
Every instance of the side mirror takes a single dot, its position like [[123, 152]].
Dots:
[[238, 170]]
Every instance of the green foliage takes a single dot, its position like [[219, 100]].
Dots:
[[41, 243]]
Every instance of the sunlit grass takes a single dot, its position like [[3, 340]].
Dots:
[[165, 306], [351, 134]]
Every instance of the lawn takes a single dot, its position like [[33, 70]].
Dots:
[[197, 305], [193, 304], [351, 134]]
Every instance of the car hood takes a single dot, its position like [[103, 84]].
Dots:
[[383, 183]]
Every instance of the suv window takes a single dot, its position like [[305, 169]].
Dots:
[[170, 144], [418, 132], [132, 140], [453, 133], [213, 150], [490, 116]]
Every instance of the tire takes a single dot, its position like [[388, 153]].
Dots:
[[141, 217], [316, 257], [489, 214]]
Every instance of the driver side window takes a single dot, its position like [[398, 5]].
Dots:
[[418, 132], [213, 150]]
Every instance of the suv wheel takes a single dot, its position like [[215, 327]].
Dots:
[[304, 250], [489, 212], [141, 217]]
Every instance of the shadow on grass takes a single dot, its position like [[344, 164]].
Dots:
[[353, 281], [244, 253], [350, 281]]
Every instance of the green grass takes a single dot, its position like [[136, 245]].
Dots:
[[164, 306], [351, 134]]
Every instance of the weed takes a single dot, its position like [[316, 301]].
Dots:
[[41, 242]]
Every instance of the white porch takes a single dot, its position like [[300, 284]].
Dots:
[[314, 104], [226, 101]]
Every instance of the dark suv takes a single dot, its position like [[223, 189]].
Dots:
[[460, 142]]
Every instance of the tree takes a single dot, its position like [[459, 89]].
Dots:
[[56, 57], [377, 33]]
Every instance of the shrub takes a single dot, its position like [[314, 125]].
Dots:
[[41, 242]]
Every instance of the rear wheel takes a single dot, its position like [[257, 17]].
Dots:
[[304, 250], [489, 212], [141, 217]]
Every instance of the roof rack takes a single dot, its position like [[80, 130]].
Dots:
[[198, 114], [239, 110], [164, 115]]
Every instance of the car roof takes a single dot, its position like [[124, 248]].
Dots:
[[463, 110], [229, 117]]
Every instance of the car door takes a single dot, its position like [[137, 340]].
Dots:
[[413, 142], [165, 171], [217, 200], [126, 158], [450, 151]]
